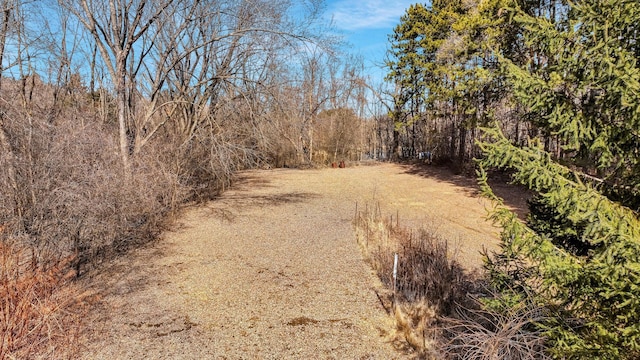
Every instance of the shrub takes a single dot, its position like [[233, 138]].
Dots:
[[441, 311], [65, 192], [430, 283], [488, 333]]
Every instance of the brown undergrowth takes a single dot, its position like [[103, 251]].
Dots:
[[429, 282], [442, 310], [41, 309]]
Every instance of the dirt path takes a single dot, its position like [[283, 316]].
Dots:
[[271, 270]]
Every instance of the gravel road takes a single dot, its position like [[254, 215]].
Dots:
[[271, 270]]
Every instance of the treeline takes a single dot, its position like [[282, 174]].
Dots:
[[115, 113], [448, 66], [548, 91]]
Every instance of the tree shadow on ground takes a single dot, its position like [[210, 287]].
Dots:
[[244, 192], [250, 191], [515, 196], [247, 200], [248, 180]]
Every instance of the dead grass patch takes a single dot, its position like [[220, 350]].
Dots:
[[438, 305], [485, 334], [425, 283], [41, 310]]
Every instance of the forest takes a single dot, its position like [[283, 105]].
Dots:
[[114, 115]]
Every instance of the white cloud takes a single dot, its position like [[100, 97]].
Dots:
[[367, 14]]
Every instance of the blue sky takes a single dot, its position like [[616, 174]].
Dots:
[[366, 24]]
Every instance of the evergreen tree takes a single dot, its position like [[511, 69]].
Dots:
[[580, 257], [424, 88], [443, 58], [569, 70], [409, 62], [469, 72]]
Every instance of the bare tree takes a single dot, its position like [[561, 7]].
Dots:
[[181, 56], [323, 81], [7, 158], [124, 32]]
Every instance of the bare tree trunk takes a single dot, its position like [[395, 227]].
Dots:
[[6, 17], [462, 147], [121, 102], [311, 143], [397, 146]]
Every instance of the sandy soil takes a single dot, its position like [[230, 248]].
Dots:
[[272, 270]]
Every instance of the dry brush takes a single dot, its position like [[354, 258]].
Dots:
[[440, 308]]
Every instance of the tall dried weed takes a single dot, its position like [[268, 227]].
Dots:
[[434, 300], [486, 334], [429, 282], [40, 309]]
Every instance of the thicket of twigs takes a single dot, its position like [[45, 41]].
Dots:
[[441, 310], [64, 191], [68, 204]]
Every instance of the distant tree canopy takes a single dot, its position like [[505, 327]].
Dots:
[[550, 90]]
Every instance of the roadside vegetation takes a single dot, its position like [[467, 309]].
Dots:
[[547, 92], [442, 308], [41, 308]]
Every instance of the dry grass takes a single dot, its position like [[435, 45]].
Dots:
[[492, 335], [429, 282], [40, 310], [434, 298], [427, 268], [415, 323]]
